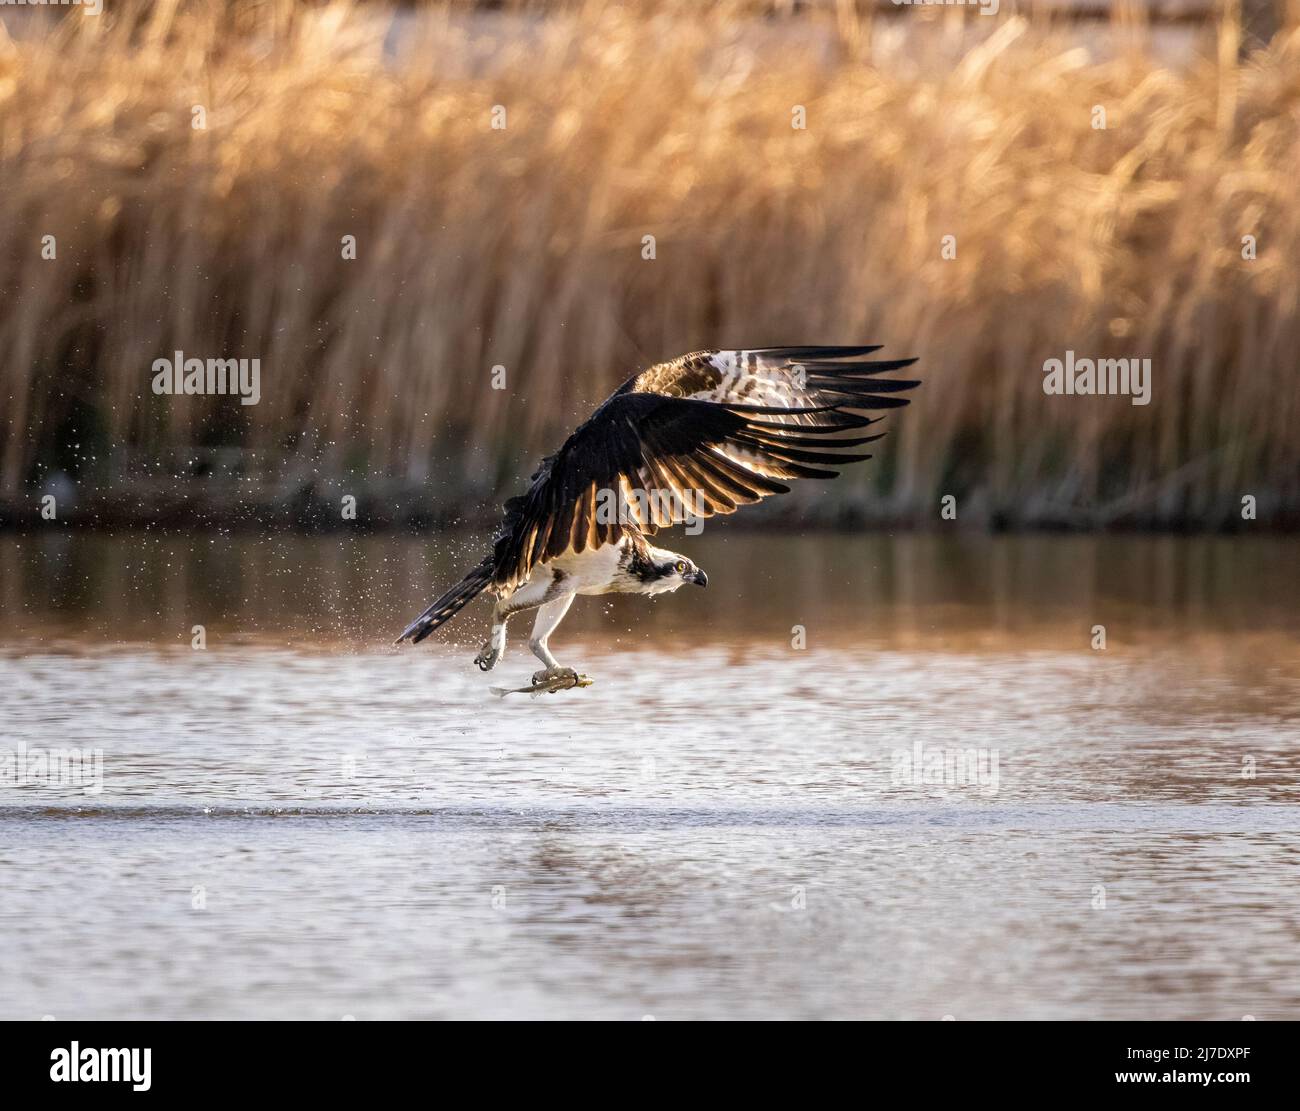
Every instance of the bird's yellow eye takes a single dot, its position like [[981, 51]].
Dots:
[[681, 567]]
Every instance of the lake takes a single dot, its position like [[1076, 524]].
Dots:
[[858, 776]]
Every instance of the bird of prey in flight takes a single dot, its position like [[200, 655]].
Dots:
[[681, 441]]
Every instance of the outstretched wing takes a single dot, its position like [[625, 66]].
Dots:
[[788, 378], [692, 438]]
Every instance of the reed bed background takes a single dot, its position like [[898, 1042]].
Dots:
[[523, 248]]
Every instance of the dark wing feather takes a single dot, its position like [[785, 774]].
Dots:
[[695, 437]]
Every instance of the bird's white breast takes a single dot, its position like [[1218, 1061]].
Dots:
[[589, 572]]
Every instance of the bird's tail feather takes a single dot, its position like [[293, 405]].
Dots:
[[450, 604]]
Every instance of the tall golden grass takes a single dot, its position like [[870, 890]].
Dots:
[[523, 247]]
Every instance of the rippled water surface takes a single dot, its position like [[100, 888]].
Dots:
[[946, 802]]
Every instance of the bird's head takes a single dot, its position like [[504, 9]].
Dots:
[[674, 570]]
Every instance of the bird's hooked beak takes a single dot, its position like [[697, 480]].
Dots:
[[699, 578]]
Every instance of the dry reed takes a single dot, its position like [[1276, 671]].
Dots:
[[523, 247]]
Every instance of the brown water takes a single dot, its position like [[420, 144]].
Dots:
[[724, 825]]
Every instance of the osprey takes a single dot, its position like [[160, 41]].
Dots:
[[681, 441]]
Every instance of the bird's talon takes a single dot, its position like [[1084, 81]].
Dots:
[[554, 679]]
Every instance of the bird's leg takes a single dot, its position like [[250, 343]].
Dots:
[[548, 617], [495, 647]]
